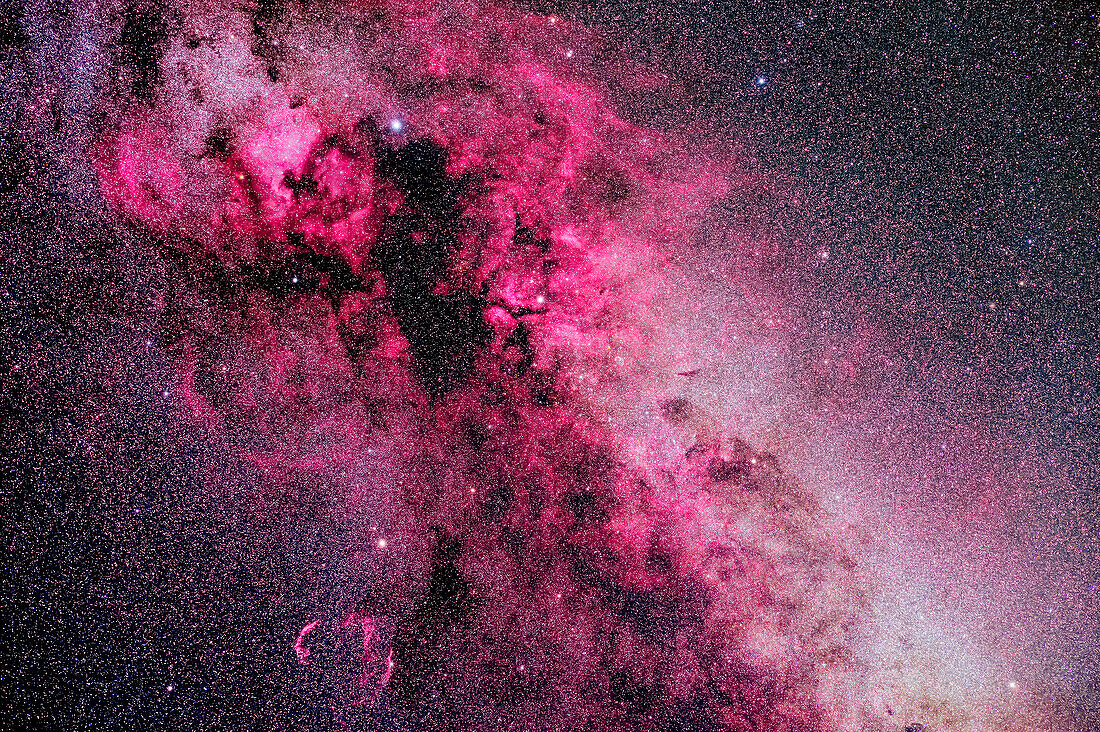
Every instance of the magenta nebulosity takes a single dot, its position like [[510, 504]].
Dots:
[[413, 294]]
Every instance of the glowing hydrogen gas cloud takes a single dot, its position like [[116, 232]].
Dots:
[[421, 265]]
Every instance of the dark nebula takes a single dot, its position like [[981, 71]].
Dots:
[[452, 366]]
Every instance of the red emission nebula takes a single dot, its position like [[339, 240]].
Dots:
[[421, 270]]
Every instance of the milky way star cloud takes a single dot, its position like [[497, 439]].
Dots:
[[425, 278]]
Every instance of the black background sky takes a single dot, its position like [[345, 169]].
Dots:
[[948, 156], [949, 151]]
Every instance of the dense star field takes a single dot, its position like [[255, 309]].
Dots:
[[465, 366]]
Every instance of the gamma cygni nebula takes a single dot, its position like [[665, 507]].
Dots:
[[525, 428]]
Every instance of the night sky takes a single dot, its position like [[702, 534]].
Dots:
[[627, 366]]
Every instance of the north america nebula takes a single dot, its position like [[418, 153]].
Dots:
[[451, 366]]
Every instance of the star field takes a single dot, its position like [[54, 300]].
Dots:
[[678, 366]]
